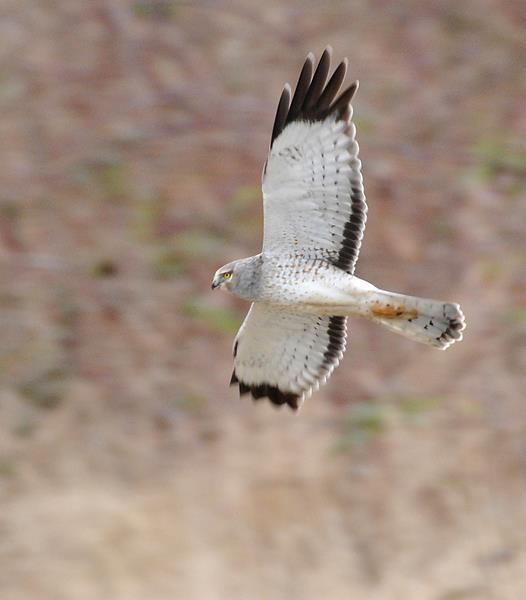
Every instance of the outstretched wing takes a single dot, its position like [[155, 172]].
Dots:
[[314, 201], [284, 355]]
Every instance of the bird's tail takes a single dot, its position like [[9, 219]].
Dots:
[[432, 322]]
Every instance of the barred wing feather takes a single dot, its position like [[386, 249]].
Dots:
[[313, 194], [284, 355]]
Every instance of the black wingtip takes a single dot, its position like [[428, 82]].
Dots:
[[282, 111], [314, 98], [310, 58], [243, 388], [302, 86], [340, 106], [318, 82], [328, 51], [264, 390], [332, 87]]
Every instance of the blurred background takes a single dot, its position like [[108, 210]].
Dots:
[[132, 138]]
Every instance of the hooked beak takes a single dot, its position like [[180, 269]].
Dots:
[[215, 283]]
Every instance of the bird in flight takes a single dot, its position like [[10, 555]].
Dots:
[[302, 285]]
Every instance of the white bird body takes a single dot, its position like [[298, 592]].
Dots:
[[302, 285], [323, 287]]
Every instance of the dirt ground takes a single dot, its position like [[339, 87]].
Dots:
[[132, 138]]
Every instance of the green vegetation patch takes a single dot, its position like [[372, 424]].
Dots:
[[155, 9], [414, 408], [198, 243], [107, 176], [244, 197], [364, 422], [496, 156], [167, 264], [220, 320], [45, 390]]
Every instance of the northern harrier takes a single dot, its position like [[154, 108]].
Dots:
[[302, 285]]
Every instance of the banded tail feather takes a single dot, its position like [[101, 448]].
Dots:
[[433, 322]]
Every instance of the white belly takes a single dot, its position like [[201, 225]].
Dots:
[[330, 292]]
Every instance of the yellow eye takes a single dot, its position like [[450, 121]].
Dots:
[[227, 275]]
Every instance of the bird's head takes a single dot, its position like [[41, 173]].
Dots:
[[224, 276]]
